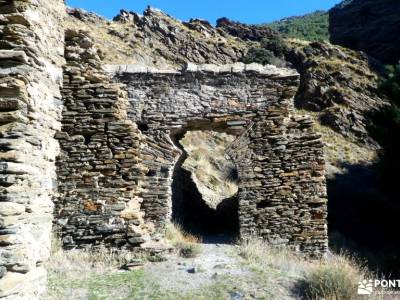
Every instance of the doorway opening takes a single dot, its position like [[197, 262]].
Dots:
[[205, 187]]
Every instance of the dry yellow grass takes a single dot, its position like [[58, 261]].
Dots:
[[187, 245], [332, 278], [99, 260], [174, 233]]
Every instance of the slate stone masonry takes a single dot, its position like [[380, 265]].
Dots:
[[282, 189], [99, 167], [31, 56]]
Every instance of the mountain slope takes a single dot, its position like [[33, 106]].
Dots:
[[310, 27], [372, 26]]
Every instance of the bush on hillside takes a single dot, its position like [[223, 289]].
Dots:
[[276, 45], [260, 56], [271, 52], [391, 86]]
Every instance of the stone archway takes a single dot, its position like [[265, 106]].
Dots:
[[282, 194], [204, 186], [115, 171]]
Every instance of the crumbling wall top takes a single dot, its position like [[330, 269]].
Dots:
[[267, 70]]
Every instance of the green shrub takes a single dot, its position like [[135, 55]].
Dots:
[[391, 86], [259, 55], [276, 45], [263, 56], [271, 52]]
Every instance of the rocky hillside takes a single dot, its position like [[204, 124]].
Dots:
[[212, 171], [156, 39], [338, 85], [369, 25]]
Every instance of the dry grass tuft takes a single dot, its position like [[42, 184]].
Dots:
[[98, 260], [186, 244], [188, 250], [332, 278], [175, 233], [259, 254]]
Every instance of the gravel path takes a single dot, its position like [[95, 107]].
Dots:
[[179, 274]]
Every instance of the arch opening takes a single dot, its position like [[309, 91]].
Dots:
[[205, 186]]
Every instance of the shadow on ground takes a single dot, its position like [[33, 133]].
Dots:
[[363, 221]]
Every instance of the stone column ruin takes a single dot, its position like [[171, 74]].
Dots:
[[31, 56]]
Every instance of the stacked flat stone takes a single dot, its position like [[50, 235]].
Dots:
[[282, 189], [99, 167], [31, 55]]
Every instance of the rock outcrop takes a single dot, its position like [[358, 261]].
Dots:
[[156, 39], [31, 55], [245, 32], [340, 86], [211, 170], [372, 26]]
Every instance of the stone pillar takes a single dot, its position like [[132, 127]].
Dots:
[[100, 167], [31, 56], [282, 191]]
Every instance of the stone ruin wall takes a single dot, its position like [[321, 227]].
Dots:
[[31, 55], [118, 147], [282, 189], [99, 167]]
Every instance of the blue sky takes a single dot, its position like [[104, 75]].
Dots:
[[247, 11]]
